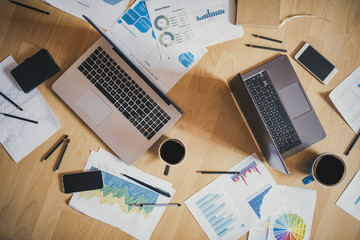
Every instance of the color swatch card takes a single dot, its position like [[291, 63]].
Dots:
[[18, 137], [231, 205], [350, 199], [290, 221], [112, 204]]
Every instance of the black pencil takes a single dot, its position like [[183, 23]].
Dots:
[[267, 38], [20, 118], [57, 145], [11, 101], [29, 7], [267, 48], [62, 155], [155, 189], [352, 144], [217, 172]]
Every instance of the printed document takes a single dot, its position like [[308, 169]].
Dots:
[[350, 199], [103, 12], [290, 221], [18, 137], [133, 34], [112, 204], [231, 205], [346, 98]]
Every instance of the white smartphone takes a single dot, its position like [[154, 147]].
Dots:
[[316, 63]]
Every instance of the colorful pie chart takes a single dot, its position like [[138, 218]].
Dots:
[[289, 226]]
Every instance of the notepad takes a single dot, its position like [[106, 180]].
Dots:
[[258, 13]]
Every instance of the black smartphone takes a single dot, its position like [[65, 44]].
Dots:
[[316, 63], [83, 181], [35, 70]]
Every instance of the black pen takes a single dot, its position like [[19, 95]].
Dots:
[[62, 155], [158, 190], [217, 172], [20, 118], [267, 48], [156, 204], [267, 38], [11, 101], [352, 144], [57, 145], [29, 7]]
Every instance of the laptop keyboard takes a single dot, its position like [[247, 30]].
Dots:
[[272, 111], [124, 93]]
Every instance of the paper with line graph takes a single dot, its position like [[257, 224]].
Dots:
[[20, 138], [111, 204], [231, 205], [346, 98]]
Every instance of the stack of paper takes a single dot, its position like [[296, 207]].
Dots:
[[112, 204], [18, 137]]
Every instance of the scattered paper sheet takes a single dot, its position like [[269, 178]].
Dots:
[[350, 199], [346, 98], [103, 12], [291, 221], [231, 205], [174, 27], [19, 138], [111, 204], [133, 34], [216, 20]]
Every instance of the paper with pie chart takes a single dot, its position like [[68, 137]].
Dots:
[[231, 205], [290, 222], [174, 27]]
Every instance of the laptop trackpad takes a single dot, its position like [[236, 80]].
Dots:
[[94, 107], [294, 100]]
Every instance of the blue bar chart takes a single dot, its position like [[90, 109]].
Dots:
[[208, 13], [212, 206]]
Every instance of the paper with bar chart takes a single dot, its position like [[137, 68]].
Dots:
[[112, 204], [350, 199], [292, 220], [346, 98], [231, 205]]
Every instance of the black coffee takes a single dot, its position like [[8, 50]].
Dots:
[[172, 152], [329, 170]]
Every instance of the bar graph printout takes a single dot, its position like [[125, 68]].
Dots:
[[350, 199], [112, 204], [231, 205]]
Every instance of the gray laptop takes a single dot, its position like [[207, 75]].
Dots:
[[116, 99], [277, 110]]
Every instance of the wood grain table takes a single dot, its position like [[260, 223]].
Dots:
[[32, 204]]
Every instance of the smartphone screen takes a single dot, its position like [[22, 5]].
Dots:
[[83, 181], [316, 63]]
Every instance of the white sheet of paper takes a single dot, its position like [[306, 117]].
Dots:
[[290, 221], [133, 34], [346, 98], [18, 137], [216, 20], [231, 205], [102, 12], [175, 29], [350, 199], [111, 204]]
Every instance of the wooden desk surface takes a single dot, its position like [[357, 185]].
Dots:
[[32, 205]]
